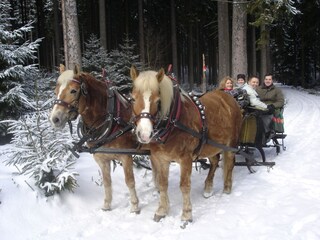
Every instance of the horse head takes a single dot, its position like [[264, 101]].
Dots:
[[152, 96], [68, 91]]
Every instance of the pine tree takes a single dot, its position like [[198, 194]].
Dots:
[[16, 56], [39, 151], [117, 62], [94, 57], [120, 62]]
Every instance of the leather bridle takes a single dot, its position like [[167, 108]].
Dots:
[[73, 106]]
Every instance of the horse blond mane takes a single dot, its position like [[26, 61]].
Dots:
[[65, 77], [147, 80]]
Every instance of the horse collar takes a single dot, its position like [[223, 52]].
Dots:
[[112, 127], [164, 127]]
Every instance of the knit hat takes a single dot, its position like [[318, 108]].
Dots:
[[241, 76]]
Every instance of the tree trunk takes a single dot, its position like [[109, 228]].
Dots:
[[44, 57], [190, 48], [190, 57], [263, 53], [141, 32], [174, 39], [239, 38], [102, 23], [224, 40], [71, 35], [253, 53], [57, 35], [268, 51], [303, 63]]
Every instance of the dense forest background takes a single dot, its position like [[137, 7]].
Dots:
[[290, 37]]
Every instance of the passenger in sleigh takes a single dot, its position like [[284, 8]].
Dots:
[[240, 95], [273, 97], [226, 84], [262, 110], [254, 99]]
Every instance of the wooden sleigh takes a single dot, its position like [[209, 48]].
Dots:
[[254, 140]]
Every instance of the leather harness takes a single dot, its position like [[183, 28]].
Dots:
[[111, 128]]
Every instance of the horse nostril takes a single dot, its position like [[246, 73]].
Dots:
[[56, 120]]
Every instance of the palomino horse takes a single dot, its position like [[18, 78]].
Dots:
[[157, 102], [80, 93]]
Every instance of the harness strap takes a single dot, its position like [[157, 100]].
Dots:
[[112, 126], [211, 142], [127, 151], [175, 112], [204, 129], [115, 135]]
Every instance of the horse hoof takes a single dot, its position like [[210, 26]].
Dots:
[[137, 211], [227, 190], [207, 194], [184, 224], [106, 209], [157, 218]]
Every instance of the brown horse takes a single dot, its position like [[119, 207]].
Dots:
[[80, 93], [216, 116]]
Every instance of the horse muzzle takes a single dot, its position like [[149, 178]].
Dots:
[[144, 131], [58, 118]]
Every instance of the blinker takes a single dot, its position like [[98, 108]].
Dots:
[[83, 88]]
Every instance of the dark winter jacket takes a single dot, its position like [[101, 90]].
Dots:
[[271, 95]]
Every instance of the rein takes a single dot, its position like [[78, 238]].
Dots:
[[111, 128]]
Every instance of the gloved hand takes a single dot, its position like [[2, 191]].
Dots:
[[271, 108]]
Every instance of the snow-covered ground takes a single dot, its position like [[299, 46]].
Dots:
[[278, 203]]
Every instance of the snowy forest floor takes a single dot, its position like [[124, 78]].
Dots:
[[278, 203]]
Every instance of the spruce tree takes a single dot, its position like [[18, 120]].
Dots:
[[94, 57], [39, 151], [17, 55], [117, 62], [120, 62]]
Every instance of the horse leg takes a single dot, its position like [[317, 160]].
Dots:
[[229, 159], [208, 186], [185, 186], [127, 164], [106, 177], [155, 175], [163, 174]]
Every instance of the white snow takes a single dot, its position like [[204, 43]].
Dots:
[[278, 203]]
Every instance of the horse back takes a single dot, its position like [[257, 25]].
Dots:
[[223, 115]]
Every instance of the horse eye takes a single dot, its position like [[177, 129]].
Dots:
[[73, 91]]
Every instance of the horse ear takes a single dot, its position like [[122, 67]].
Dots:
[[160, 75], [134, 73], [76, 69], [62, 68]]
